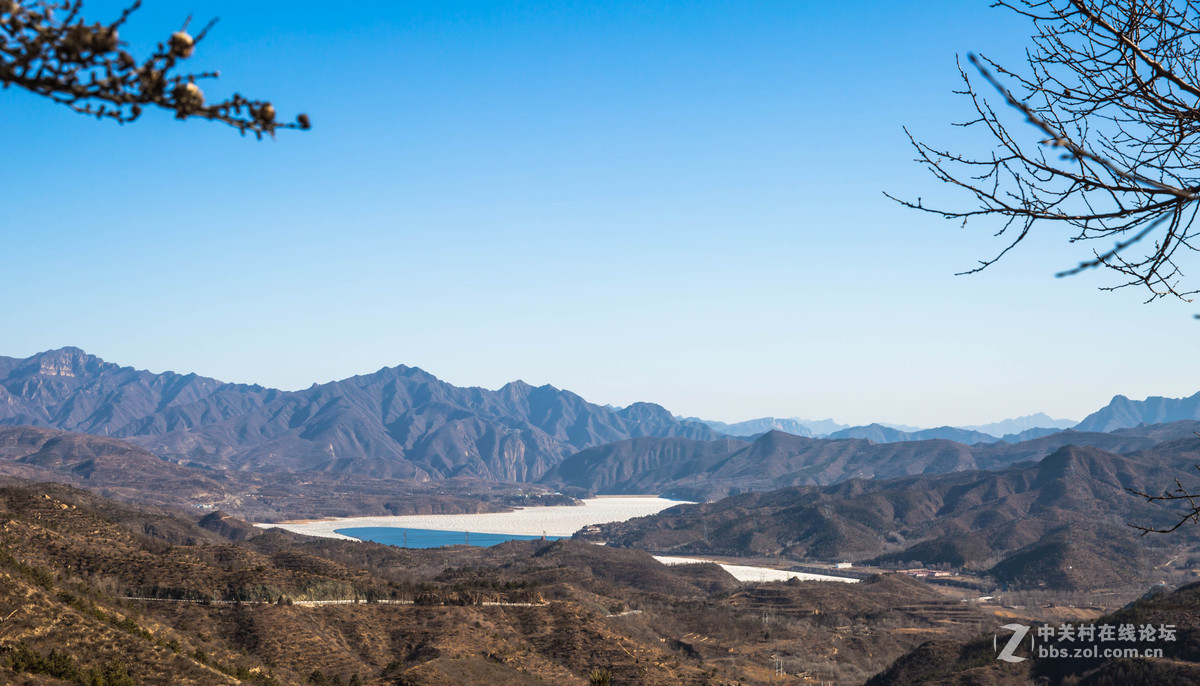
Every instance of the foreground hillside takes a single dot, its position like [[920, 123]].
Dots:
[[220, 602], [399, 422], [949, 662], [1060, 523]]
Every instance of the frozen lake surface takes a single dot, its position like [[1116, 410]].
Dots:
[[755, 574], [556, 520], [428, 538]]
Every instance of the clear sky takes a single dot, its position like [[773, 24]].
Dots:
[[678, 202]]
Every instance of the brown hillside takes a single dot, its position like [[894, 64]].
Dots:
[[70, 559]]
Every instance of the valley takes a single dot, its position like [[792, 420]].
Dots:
[[275, 608], [612, 343], [944, 540]]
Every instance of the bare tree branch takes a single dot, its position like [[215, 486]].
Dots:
[[1113, 87], [49, 49], [1191, 513]]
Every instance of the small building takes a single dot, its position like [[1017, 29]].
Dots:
[[842, 565]]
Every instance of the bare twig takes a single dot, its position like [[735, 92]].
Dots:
[[1191, 513], [1113, 88], [49, 49]]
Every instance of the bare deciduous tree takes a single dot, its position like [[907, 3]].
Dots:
[[48, 48], [1189, 513], [1113, 90]]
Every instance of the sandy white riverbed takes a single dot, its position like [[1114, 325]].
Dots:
[[557, 520], [755, 574]]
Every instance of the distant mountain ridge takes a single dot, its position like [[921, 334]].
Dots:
[[400, 422], [1122, 413], [754, 427], [879, 433], [404, 423], [1017, 425], [882, 433], [1062, 520], [1010, 430], [119, 469], [709, 470]]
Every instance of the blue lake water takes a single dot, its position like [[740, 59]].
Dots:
[[429, 538]]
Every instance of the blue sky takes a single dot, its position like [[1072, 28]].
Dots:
[[664, 201]]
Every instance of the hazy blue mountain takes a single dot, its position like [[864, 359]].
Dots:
[[1029, 434], [881, 433], [399, 422], [907, 428], [813, 428], [1017, 425], [822, 427], [754, 427], [1121, 412]]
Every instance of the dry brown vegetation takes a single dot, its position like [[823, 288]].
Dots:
[[69, 560], [949, 661], [1061, 523]]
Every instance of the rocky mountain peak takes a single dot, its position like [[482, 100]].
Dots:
[[63, 362]]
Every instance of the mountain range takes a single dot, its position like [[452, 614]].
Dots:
[[1061, 522], [882, 433], [404, 423], [1016, 425], [754, 427], [400, 422], [1121, 412], [690, 469], [1044, 510], [121, 470], [1010, 430]]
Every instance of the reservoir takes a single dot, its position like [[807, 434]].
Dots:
[[526, 523], [557, 521], [431, 538]]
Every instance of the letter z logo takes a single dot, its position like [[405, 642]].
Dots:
[[1019, 631]]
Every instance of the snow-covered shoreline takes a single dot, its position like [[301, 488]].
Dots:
[[750, 574], [554, 520]]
